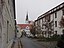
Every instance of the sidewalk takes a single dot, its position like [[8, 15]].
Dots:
[[51, 44], [17, 44]]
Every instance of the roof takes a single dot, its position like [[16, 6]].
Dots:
[[23, 26], [58, 7]]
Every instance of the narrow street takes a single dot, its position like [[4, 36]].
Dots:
[[31, 24], [28, 43]]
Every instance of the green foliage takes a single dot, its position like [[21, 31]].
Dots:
[[55, 37], [61, 23], [60, 43], [52, 38]]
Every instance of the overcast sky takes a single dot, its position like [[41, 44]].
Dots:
[[34, 8]]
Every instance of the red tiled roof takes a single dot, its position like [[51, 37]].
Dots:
[[23, 26]]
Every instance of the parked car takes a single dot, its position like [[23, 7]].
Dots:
[[29, 35]]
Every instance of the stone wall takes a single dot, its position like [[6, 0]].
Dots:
[[7, 22]]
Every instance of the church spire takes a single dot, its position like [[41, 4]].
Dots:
[[27, 18]]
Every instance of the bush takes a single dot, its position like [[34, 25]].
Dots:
[[60, 43], [52, 38], [55, 37]]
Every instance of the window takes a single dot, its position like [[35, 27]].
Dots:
[[44, 19], [55, 15], [55, 23], [63, 11], [7, 30], [48, 18], [0, 30], [38, 22], [55, 32], [8, 2], [2, 1]]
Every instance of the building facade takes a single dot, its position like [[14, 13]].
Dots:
[[7, 23], [49, 21], [25, 27]]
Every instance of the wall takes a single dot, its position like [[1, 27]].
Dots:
[[47, 21], [58, 29], [8, 24]]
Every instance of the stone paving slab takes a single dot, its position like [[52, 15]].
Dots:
[[17, 44]]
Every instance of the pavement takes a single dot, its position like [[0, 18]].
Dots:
[[33, 43], [25, 42], [17, 44], [28, 43], [50, 44]]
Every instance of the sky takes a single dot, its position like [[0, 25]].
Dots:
[[34, 8]]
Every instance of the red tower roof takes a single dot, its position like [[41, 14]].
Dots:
[[23, 26]]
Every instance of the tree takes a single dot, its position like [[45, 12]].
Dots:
[[60, 43], [32, 30], [62, 22]]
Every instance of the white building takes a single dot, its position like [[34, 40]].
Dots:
[[7, 23], [49, 21]]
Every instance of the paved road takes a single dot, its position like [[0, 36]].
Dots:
[[28, 43]]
